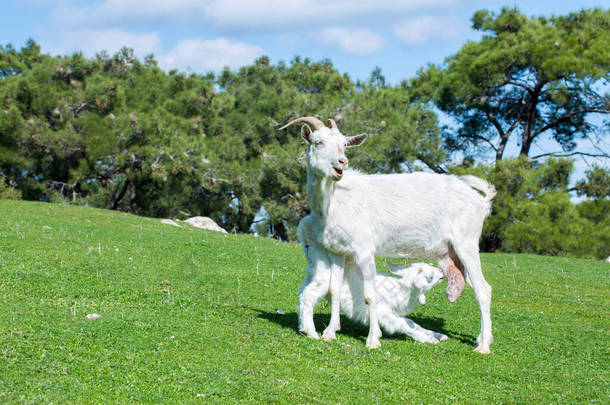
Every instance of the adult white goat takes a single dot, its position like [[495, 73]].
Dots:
[[399, 294], [395, 215]]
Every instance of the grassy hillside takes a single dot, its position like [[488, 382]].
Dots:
[[191, 316]]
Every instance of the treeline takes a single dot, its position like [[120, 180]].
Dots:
[[116, 132]]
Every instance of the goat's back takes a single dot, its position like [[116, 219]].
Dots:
[[404, 214]]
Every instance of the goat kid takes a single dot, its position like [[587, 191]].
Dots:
[[399, 293], [360, 216]]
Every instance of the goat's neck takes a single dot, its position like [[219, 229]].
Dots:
[[319, 193]]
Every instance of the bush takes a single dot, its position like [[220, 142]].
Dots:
[[7, 192], [532, 211]]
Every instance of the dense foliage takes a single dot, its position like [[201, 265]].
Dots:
[[532, 211], [527, 78], [120, 133]]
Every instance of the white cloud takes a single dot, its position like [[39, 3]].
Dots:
[[209, 55], [260, 13], [423, 29], [91, 41], [121, 12], [235, 13], [356, 41]]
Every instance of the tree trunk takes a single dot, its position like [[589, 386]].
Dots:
[[279, 231], [501, 147], [532, 109], [115, 198], [133, 206], [526, 144]]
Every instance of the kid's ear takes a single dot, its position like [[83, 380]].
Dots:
[[306, 133], [355, 140], [395, 268]]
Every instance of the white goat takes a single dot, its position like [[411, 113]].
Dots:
[[399, 294], [439, 217]]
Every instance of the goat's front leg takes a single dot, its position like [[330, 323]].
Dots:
[[336, 282], [367, 267], [309, 294], [315, 286]]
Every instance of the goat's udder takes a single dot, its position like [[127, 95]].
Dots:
[[455, 281]]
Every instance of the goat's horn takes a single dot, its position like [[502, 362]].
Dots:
[[316, 123], [331, 123]]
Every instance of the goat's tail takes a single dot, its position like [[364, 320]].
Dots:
[[488, 190]]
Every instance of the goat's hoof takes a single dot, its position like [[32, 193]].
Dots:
[[441, 337], [311, 335], [430, 340], [373, 344], [329, 335], [482, 350]]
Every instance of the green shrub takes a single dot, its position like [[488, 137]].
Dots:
[[7, 192], [532, 211]]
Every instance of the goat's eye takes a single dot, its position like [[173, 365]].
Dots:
[[319, 143]]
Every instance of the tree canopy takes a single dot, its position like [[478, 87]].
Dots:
[[116, 132], [527, 78], [120, 133]]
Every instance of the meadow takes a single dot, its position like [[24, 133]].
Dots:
[[193, 316]]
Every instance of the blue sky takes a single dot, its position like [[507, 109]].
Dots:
[[399, 36]]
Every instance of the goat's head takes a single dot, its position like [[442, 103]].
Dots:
[[419, 278], [326, 146]]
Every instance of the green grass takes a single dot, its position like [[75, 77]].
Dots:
[[213, 335]]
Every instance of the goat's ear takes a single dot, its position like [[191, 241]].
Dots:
[[306, 133], [422, 299], [330, 123], [355, 140]]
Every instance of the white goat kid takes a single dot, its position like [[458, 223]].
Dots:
[[359, 216], [397, 298], [399, 294]]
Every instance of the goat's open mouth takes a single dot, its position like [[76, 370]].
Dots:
[[338, 172]]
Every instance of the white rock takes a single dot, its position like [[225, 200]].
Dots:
[[204, 223], [93, 316], [608, 259], [170, 222]]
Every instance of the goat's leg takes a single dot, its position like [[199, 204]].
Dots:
[[393, 324], [314, 287], [310, 293], [469, 256], [366, 264], [334, 291]]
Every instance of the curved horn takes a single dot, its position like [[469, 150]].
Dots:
[[316, 123], [330, 123]]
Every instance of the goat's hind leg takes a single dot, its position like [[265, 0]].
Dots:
[[393, 324], [469, 256]]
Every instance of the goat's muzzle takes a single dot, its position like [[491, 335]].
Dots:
[[337, 173]]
